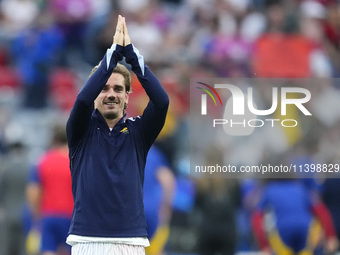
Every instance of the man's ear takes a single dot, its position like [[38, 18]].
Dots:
[[127, 97]]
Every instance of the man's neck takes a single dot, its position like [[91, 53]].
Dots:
[[113, 122]]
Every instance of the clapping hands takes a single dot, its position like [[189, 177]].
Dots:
[[121, 36]]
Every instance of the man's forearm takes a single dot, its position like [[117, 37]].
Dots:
[[83, 107], [148, 80]]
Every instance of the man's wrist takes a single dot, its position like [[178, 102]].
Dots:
[[128, 48], [119, 48], [128, 53]]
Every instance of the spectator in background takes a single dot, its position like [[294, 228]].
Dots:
[[13, 176], [49, 194], [35, 53], [17, 15], [142, 25], [159, 188], [217, 201], [292, 220], [71, 18]]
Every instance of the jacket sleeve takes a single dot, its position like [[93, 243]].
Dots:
[[154, 114], [80, 116]]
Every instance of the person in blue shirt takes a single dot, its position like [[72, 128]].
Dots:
[[108, 153], [289, 221], [159, 190]]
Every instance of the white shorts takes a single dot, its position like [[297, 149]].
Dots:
[[107, 249]]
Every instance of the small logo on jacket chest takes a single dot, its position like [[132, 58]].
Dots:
[[124, 130]]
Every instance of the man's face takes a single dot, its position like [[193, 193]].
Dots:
[[110, 102]]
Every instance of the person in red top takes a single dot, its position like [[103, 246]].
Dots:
[[49, 194]]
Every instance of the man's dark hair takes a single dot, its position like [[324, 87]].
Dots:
[[121, 69]]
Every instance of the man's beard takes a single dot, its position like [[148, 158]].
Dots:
[[114, 115], [110, 115]]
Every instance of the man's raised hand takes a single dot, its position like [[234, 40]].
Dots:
[[118, 38], [127, 39]]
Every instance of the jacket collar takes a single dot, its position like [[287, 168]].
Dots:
[[101, 121]]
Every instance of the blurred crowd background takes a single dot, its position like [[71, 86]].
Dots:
[[48, 48]]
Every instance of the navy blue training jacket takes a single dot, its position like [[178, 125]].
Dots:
[[107, 167]]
